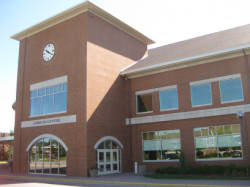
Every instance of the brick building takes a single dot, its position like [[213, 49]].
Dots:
[[91, 95], [5, 140]]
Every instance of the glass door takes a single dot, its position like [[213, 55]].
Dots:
[[108, 161], [115, 161]]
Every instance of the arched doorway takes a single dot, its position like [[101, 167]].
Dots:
[[108, 155], [47, 155]]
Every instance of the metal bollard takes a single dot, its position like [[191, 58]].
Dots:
[[136, 167]]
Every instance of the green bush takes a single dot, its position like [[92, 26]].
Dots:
[[182, 160], [168, 170], [230, 170]]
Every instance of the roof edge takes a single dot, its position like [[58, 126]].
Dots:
[[182, 61], [76, 10]]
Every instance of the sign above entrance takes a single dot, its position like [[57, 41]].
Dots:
[[49, 121]]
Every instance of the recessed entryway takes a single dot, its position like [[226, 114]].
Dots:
[[108, 155]]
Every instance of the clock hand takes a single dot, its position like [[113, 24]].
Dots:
[[48, 52]]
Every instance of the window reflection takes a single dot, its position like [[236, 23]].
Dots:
[[231, 90], [144, 103], [201, 94], [108, 144], [221, 142], [168, 99], [161, 145], [48, 100], [47, 156]]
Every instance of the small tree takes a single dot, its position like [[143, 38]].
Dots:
[[10, 148], [11, 133], [182, 161]]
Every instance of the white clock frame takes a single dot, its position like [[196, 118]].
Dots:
[[48, 52]]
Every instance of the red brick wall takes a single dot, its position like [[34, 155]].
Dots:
[[69, 38], [91, 52], [109, 51], [182, 77]]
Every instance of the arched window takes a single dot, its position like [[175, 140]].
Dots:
[[108, 144], [47, 156]]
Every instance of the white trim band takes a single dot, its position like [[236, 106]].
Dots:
[[215, 79], [189, 115], [155, 90], [47, 83], [49, 121]]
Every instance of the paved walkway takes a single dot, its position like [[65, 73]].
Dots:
[[125, 179]]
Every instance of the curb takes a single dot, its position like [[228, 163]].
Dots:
[[111, 182]]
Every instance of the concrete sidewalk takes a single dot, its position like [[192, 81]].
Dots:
[[125, 179]]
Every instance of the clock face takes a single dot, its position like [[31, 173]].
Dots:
[[48, 52]]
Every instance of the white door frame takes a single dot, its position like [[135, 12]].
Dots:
[[109, 162], [119, 156]]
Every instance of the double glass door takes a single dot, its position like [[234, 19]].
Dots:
[[108, 161]]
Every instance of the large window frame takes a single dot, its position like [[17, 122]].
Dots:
[[169, 88], [161, 160], [51, 93], [241, 90], [137, 109], [200, 84], [216, 141], [37, 156]]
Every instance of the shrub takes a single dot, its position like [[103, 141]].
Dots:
[[227, 172], [168, 170], [182, 160], [214, 169], [230, 170]]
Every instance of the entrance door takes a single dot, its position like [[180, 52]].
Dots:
[[108, 161]]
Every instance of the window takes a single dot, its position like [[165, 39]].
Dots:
[[218, 142], [231, 90], [161, 145], [144, 103], [47, 156], [48, 100], [169, 99], [201, 94], [108, 144]]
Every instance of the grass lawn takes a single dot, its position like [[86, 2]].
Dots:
[[3, 162], [219, 177]]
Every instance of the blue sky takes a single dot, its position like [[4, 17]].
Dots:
[[165, 21]]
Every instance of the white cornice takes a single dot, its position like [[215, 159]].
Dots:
[[187, 62], [74, 11], [141, 92], [189, 115], [215, 79], [49, 121]]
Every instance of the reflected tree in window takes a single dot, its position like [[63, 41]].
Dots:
[[47, 156], [161, 145], [144, 103], [218, 142]]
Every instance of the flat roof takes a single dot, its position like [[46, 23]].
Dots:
[[76, 10]]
